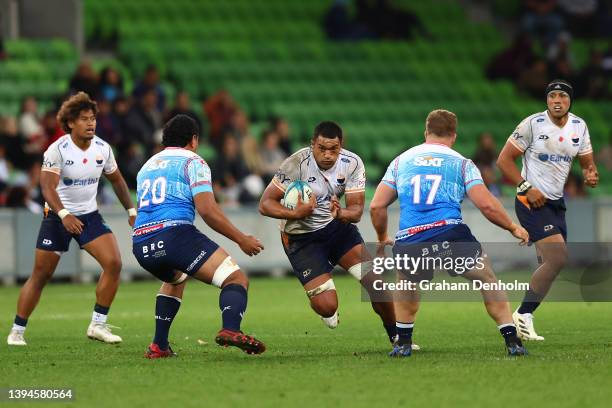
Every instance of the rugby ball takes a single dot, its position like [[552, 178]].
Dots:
[[296, 189]]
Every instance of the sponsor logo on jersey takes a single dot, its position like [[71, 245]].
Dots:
[[555, 158], [80, 182], [312, 179], [99, 160], [68, 163], [340, 180], [99, 143], [543, 137], [428, 161], [575, 121], [65, 145], [575, 139], [345, 160], [540, 120]]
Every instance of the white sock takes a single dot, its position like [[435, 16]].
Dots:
[[18, 328], [98, 318]]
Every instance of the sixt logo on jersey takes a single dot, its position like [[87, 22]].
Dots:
[[555, 158], [80, 182], [428, 161]]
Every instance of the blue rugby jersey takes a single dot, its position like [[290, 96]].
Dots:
[[431, 181], [166, 185]]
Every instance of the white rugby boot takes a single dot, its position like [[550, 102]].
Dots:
[[524, 326], [15, 338], [332, 321], [102, 332]]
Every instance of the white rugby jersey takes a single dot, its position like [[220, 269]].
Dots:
[[548, 150], [79, 171], [346, 176]]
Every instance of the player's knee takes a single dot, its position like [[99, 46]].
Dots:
[[40, 278], [559, 259], [325, 304], [228, 272], [237, 278], [113, 266]]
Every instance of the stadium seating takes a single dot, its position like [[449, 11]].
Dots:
[[273, 57]]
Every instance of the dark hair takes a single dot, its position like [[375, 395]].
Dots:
[[328, 130], [441, 123], [72, 108], [179, 131]]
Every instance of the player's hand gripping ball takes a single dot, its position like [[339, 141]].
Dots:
[[297, 189]]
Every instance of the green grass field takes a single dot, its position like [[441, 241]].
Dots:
[[462, 361]]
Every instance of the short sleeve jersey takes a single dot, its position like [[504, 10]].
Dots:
[[166, 185], [346, 176], [431, 181], [548, 150], [79, 171]]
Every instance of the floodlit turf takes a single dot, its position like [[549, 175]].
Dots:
[[462, 363]]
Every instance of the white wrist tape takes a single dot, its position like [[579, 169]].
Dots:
[[63, 213], [132, 212]]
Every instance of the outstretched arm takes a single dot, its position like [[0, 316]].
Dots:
[[383, 198], [213, 216], [123, 193], [492, 209]]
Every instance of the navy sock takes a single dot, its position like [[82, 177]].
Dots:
[[508, 331], [233, 303], [531, 301], [166, 308], [391, 331], [101, 309], [404, 331], [20, 321]]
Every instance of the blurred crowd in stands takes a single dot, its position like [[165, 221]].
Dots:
[[132, 122], [542, 49], [243, 164]]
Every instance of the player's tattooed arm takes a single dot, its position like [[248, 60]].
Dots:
[[121, 190], [383, 198], [48, 185], [353, 210], [589, 169], [270, 206]]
